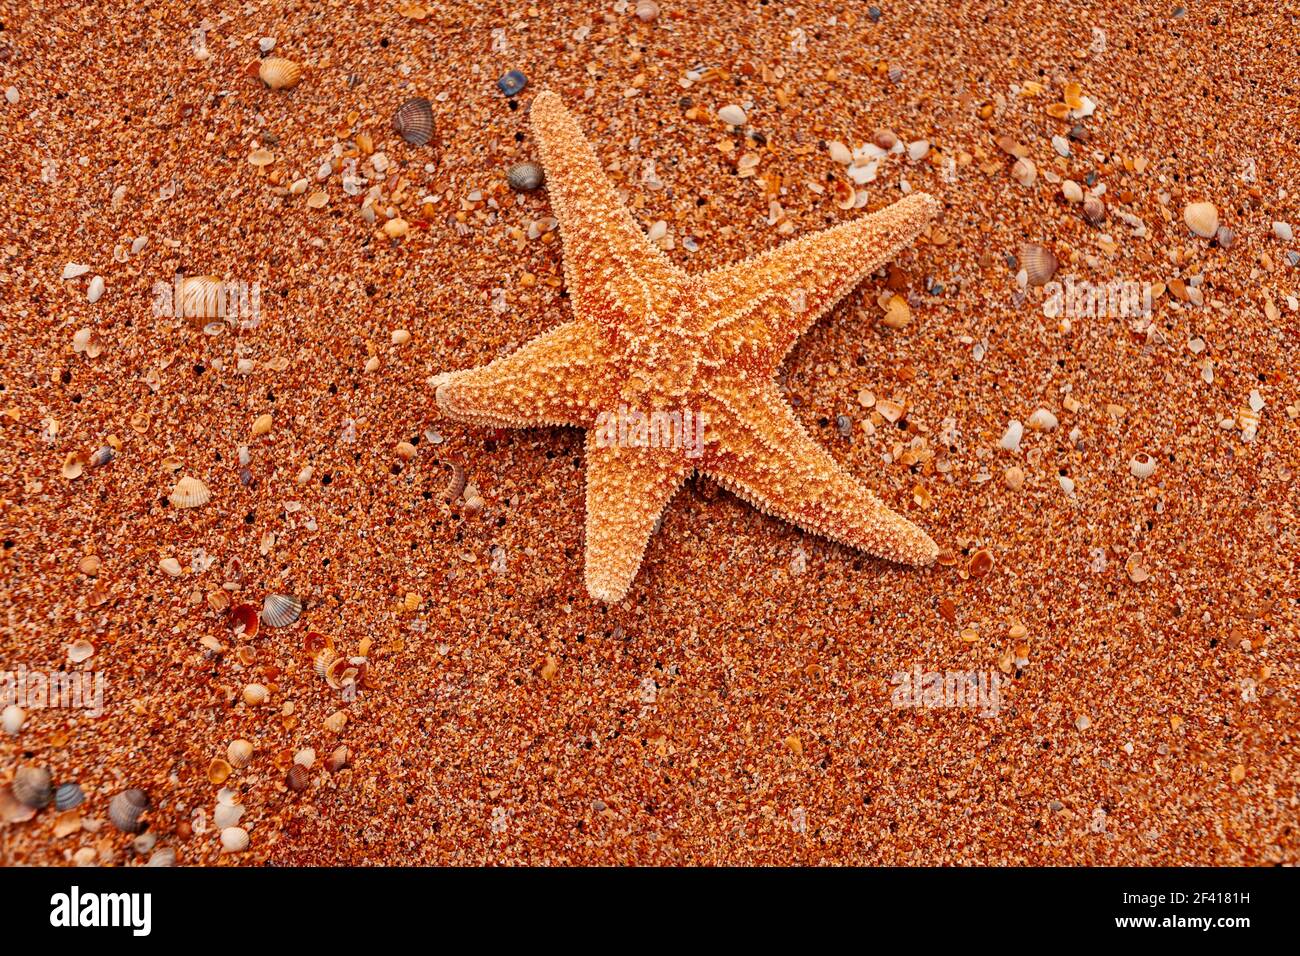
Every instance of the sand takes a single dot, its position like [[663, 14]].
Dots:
[[739, 706]]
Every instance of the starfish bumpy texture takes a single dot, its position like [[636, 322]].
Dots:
[[650, 343]]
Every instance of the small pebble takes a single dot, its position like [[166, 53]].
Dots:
[[512, 83], [1283, 231]]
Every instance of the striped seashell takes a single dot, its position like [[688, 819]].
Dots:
[[126, 808], [280, 610], [338, 759], [239, 753], [297, 778], [200, 298], [279, 73], [525, 177], [413, 121], [1038, 262], [234, 840], [324, 658], [68, 796], [33, 787], [189, 493], [164, 856]]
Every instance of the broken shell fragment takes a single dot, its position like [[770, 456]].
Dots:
[[189, 493], [413, 121], [102, 456], [1142, 465], [279, 73], [732, 115], [1024, 171], [280, 610], [125, 810], [338, 759], [219, 771]]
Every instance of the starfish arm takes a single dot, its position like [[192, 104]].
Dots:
[[555, 379], [610, 267], [627, 491], [763, 305], [757, 449]]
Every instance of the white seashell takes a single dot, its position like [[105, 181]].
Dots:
[[80, 651], [1067, 484], [1202, 218], [74, 270], [255, 695], [1283, 231], [163, 857], [234, 840], [95, 290], [189, 493], [839, 152], [732, 115], [306, 757], [1010, 440], [139, 243], [227, 815], [1061, 145], [1142, 465], [12, 719], [1072, 191], [1024, 171], [918, 150], [1042, 420]]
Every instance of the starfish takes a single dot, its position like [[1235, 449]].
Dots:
[[655, 356]]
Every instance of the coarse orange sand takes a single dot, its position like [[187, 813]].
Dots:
[[736, 707]]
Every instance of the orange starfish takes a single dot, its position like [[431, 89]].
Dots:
[[672, 372]]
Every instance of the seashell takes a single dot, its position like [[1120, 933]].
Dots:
[[165, 856], [80, 651], [512, 83], [1038, 262], [245, 620], [1072, 191], [315, 641], [227, 815], [732, 115], [201, 297], [1094, 210], [1202, 218], [297, 778], [324, 658], [189, 493], [219, 771], [95, 291], [279, 73], [73, 466], [13, 810], [413, 121], [68, 796], [885, 139], [32, 787], [340, 671], [1224, 237], [396, 228], [261, 425], [647, 11], [280, 610], [74, 270], [12, 719], [918, 150], [126, 808], [1142, 465], [102, 456], [525, 177], [1283, 231], [897, 313], [338, 759], [306, 757], [234, 840], [1010, 440], [1024, 171], [255, 695], [1042, 420], [239, 753], [144, 843], [66, 823]]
